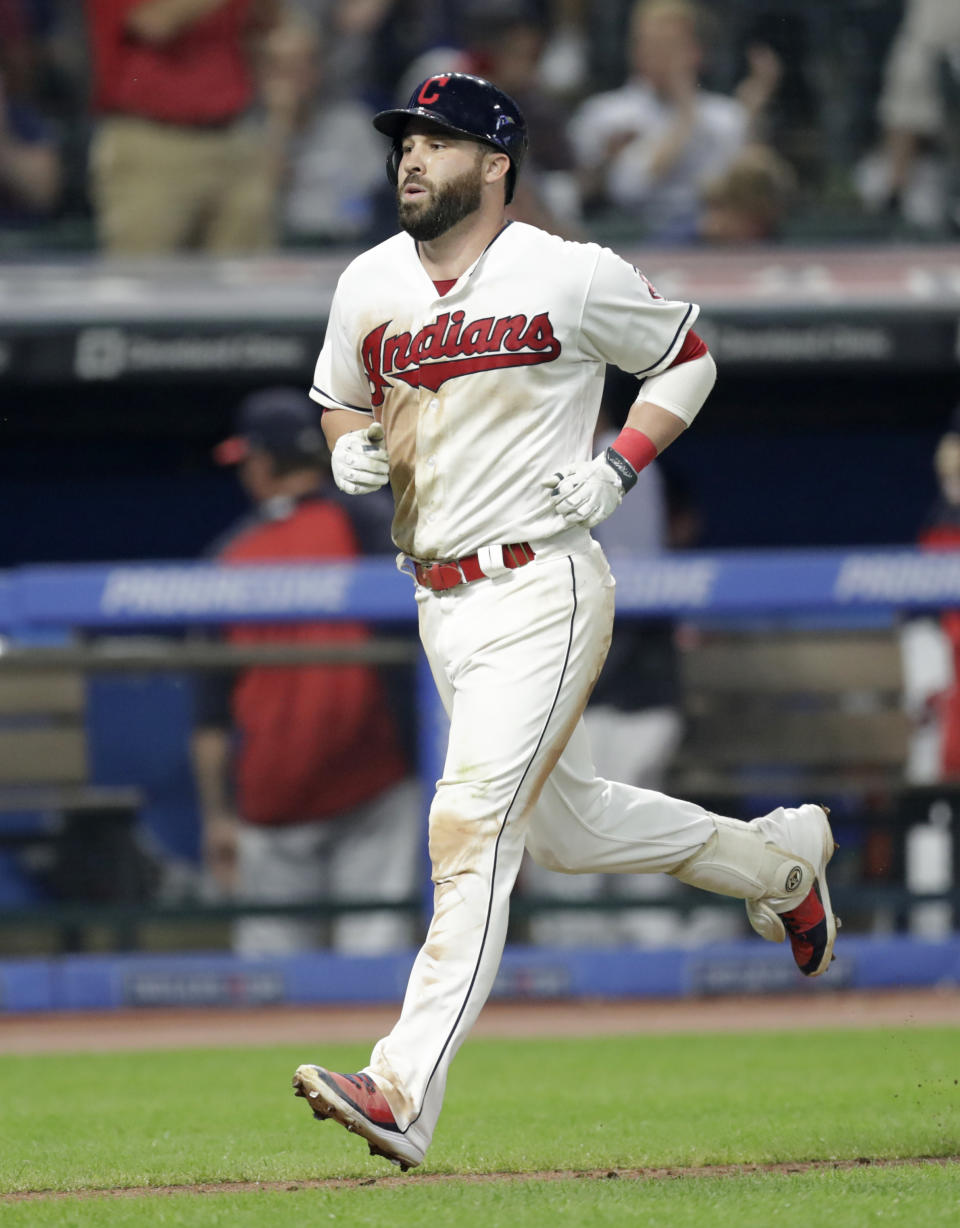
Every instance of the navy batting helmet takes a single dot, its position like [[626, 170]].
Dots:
[[464, 104]]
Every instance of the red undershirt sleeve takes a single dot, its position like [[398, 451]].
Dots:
[[693, 347]]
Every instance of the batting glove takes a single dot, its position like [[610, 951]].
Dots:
[[586, 493], [359, 461]]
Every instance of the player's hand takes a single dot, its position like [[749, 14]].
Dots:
[[220, 851], [359, 461], [585, 493]]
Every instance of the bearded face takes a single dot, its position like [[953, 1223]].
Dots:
[[441, 205]]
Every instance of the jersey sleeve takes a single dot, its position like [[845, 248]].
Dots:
[[627, 323], [339, 381]]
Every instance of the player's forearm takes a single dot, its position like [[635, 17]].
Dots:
[[659, 425], [337, 422], [210, 752], [666, 406], [158, 21], [210, 755]]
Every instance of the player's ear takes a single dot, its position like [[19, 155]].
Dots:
[[495, 166]]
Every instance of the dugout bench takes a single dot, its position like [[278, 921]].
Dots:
[[788, 715], [76, 839]]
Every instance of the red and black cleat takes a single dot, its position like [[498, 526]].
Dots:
[[811, 925], [355, 1101], [360, 1092], [803, 913], [812, 930]]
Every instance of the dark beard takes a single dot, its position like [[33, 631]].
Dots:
[[451, 203]]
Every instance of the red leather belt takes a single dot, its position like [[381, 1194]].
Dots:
[[440, 576]]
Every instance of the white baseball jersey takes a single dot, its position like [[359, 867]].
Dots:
[[487, 389]]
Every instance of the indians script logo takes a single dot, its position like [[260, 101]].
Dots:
[[449, 347]]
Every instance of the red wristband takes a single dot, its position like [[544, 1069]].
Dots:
[[635, 447]]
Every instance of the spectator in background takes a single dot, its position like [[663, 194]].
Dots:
[[39, 66], [16, 43], [931, 645], [30, 171], [372, 41], [914, 174], [177, 161], [506, 43], [62, 93], [328, 160], [749, 202], [776, 88], [646, 148], [302, 780]]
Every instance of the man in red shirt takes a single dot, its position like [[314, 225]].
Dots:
[[177, 162], [301, 776], [940, 713]]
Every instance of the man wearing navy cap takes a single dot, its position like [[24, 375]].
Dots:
[[300, 771]]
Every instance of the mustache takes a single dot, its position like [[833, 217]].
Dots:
[[415, 181]]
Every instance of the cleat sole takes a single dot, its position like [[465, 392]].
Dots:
[[401, 1164]]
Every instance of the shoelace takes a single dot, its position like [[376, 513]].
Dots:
[[364, 1082]]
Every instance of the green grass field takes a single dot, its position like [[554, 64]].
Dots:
[[103, 1122]]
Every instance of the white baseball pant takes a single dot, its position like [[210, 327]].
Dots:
[[514, 658]]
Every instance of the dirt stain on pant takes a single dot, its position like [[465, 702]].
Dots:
[[460, 841]]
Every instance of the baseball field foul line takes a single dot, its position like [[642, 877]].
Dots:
[[607, 1174]]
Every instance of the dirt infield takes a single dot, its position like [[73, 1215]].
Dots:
[[174, 1028], [554, 1174]]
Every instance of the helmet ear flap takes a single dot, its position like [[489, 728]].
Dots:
[[393, 163]]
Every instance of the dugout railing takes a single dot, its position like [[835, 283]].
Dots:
[[100, 619]]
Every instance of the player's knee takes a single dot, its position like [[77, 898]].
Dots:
[[463, 830], [551, 856]]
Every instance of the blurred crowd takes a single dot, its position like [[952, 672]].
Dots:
[[142, 126]]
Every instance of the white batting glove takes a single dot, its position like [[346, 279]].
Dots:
[[585, 493], [359, 461]]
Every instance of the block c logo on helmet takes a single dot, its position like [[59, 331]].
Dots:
[[426, 99]]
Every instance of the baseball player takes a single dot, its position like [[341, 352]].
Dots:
[[463, 362]]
